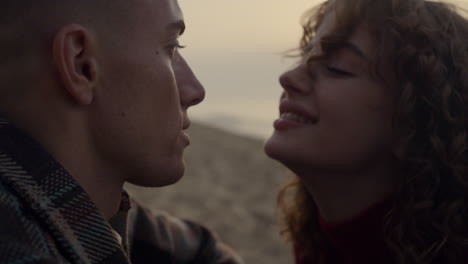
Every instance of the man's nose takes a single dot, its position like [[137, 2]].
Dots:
[[191, 91]]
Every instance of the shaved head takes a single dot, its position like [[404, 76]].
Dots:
[[27, 29], [25, 22], [14, 10]]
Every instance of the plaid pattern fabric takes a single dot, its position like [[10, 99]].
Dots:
[[46, 217]]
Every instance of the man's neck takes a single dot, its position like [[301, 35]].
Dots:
[[68, 142]]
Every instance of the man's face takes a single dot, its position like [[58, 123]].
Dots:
[[140, 107]]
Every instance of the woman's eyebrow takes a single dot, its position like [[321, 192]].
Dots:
[[354, 49], [346, 45]]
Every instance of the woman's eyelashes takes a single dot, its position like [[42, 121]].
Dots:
[[338, 71], [329, 70]]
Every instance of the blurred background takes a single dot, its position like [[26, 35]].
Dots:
[[237, 49]]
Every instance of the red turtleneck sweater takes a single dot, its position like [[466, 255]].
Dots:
[[356, 241]]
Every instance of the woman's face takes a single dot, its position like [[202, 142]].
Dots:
[[333, 114]]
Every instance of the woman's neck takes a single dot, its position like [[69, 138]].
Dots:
[[342, 196]]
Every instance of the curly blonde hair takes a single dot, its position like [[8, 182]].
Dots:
[[426, 43]]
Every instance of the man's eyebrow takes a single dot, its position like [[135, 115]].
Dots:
[[178, 26]]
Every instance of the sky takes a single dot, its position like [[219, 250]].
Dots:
[[236, 48]]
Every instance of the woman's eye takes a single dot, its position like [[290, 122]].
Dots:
[[338, 72]]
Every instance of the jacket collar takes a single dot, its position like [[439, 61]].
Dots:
[[57, 200]]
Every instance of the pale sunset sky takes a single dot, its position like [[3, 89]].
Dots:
[[236, 48]]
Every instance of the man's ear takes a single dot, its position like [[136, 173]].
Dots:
[[75, 58]]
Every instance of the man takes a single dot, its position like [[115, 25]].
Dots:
[[93, 93]]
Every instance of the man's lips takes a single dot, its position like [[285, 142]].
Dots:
[[185, 125], [186, 138], [185, 121]]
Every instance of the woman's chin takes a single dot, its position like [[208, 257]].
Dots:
[[270, 148], [277, 149], [295, 157]]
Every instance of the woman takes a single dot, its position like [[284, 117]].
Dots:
[[373, 121]]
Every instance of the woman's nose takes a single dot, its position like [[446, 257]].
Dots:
[[297, 80]]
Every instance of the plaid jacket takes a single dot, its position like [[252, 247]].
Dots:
[[46, 217]]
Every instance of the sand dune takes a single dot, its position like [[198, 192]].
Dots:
[[230, 186]]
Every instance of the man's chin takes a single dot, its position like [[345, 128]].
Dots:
[[159, 179]]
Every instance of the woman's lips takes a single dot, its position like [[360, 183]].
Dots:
[[293, 115], [289, 120], [297, 117]]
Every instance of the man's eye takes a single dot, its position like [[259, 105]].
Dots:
[[174, 48]]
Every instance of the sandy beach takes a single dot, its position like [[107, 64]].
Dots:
[[230, 186]]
